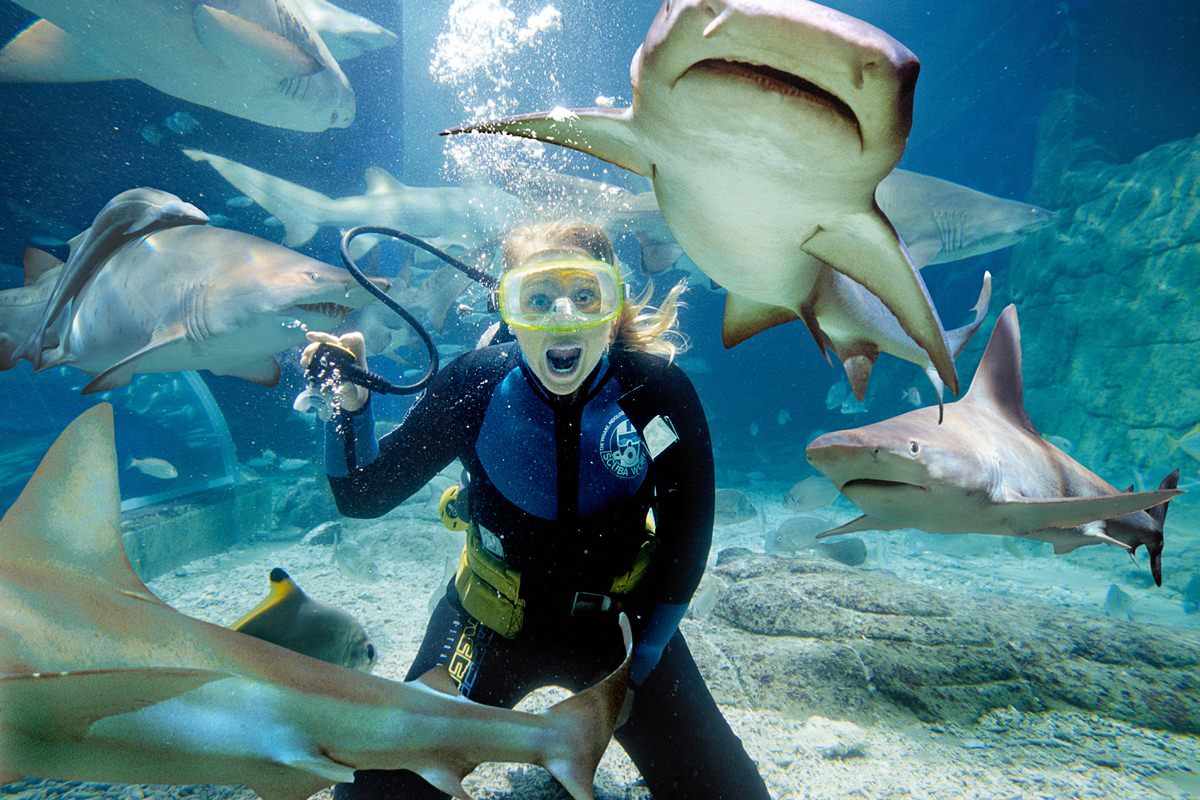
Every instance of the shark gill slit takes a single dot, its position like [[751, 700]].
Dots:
[[780, 82]]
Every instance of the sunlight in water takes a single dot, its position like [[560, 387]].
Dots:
[[481, 54]]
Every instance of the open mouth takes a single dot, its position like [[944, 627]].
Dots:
[[326, 309], [563, 360], [776, 81], [873, 483]]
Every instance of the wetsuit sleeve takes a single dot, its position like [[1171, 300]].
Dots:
[[685, 492], [436, 429]]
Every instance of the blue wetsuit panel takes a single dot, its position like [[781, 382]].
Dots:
[[517, 448]]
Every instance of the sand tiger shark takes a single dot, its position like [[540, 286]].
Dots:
[[986, 469], [462, 216], [256, 59], [128, 215], [190, 297], [45, 53], [101, 681], [765, 127]]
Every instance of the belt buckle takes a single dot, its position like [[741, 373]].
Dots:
[[590, 603]]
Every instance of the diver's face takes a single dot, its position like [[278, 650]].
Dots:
[[562, 360]]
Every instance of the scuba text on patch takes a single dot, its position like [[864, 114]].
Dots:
[[621, 449]]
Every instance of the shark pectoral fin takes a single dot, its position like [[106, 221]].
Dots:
[[53, 705], [120, 373], [863, 523], [605, 133], [264, 373], [438, 678], [865, 248], [745, 318], [240, 44], [1071, 512], [446, 780], [45, 53]]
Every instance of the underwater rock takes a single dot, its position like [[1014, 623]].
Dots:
[[810, 636], [1107, 299]]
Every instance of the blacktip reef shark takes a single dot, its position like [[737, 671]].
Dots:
[[128, 215], [462, 216], [765, 128], [985, 469], [45, 53], [256, 59], [101, 681], [190, 297]]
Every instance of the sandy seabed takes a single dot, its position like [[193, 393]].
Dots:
[[386, 572]]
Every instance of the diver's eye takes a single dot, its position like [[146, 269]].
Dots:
[[585, 299], [914, 448], [539, 302]]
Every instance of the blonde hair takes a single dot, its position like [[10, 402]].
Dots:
[[641, 326]]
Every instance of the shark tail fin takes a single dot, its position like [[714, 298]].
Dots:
[[587, 721], [299, 209], [1158, 513]]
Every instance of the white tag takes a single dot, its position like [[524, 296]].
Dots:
[[659, 435], [491, 542]]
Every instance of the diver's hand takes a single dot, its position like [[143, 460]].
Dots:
[[343, 394]]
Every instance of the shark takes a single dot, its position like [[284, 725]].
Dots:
[[447, 216], [986, 469], [102, 681], [45, 53], [195, 297], [384, 331], [22, 308], [128, 215], [765, 127], [260, 60]]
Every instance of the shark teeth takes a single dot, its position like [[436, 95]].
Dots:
[[776, 81], [326, 309]]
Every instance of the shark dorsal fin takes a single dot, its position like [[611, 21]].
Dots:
[[37, 263], [380, 181], [283, 591], [67, 514], [998, 382]]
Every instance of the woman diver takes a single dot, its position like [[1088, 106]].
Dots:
[[590, 492]]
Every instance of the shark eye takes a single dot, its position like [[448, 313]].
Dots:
[[914, 448], [312, 276]]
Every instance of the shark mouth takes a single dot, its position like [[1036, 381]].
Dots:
[[776, 81], [874, 483], [563, 360], [326, 309]]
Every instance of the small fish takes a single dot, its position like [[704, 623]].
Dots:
[[704, 600], [1191, 595], [852, 405], [605, 101], [1118, 603], [836, 395], [290, 618], [732, 507], [181, 123], [264, 459], [239, 201], [1061, 442], [783, 417], [912, 396], [754, 429], [46, 240], [151, 134], [795, 534], [293, 464], [220, 220], [154, 467], [815, 491], [273, 222]]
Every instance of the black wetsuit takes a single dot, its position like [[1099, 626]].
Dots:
[[563, 485]]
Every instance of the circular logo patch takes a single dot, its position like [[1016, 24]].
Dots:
[[621, 448]]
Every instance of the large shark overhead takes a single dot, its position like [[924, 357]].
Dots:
[[765, 128], [256, 59], [986, 469], [101, 681]]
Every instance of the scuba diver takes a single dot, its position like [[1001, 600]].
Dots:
[[589, 491]]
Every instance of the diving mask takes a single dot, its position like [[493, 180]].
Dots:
[[562, 293]]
